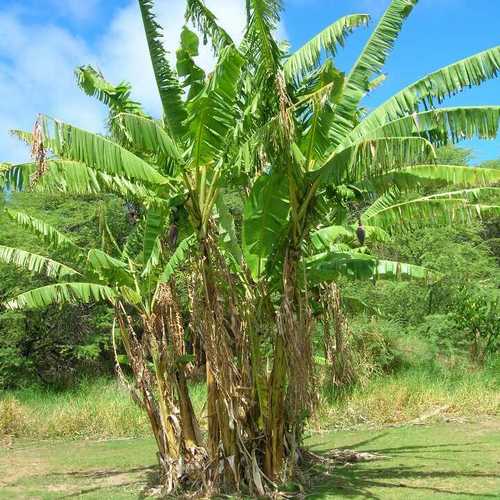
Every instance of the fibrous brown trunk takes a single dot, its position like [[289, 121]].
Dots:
[[221, 332], [162, 390], [336, 346], [275, 425], [291, 395], [224, 316]]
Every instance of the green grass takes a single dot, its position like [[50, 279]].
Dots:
[[456, 392], [108, 469], [441, 461], [60, 444], [100, 409], [103, 409]]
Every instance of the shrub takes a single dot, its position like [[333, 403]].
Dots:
[[13, 421]]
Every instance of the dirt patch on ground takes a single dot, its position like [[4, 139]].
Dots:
[[16, 465], [59, 469]]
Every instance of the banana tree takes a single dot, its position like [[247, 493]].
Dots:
[[141, 289], [317, 141], [176, 163], [289, 131]]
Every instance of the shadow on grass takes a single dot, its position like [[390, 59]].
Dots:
[[355, 446], [147, 480], [100, 474], [425, 473], [405, 450], [357, 481], [375, 480], [138, 479]]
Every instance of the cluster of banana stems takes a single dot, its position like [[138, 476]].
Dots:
[[259, 374], [252, 335]]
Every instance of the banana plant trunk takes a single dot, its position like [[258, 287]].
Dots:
[[337, 352], [222, 374], [160, 388], [290, 395], [276, 421]]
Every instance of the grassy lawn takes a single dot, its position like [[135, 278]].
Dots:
[[438, 461], [88, 469]]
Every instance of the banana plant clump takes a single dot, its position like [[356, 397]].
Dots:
[[258, 185]]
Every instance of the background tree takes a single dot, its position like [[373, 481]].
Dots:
[[58, 346]]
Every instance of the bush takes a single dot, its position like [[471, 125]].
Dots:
[[13, 421], [98, 409], [455, 314], [94, 409], [441, 331], [385, 346]]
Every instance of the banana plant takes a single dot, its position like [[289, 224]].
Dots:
[[315, 141], [175, 164], [138, 284], [290, 133], [392, 146]]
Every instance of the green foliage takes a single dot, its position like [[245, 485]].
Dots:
[[415, 392], [117, 98], [146, 135], [176, 260], [436, 86], [264, 221], [369, 63], [370, 158], [212, 111], [309, 160], [98, 152], [71, 177], [383, 347], [193, 76], [48, 233], [478, 316], [469, 327], [153, 230], [442, 332], [307, 58], [168, 85], [456, 314], [98, 408], [59, 345], [491, 164], [390, 210], [262, 48], [229, 236], [331, 266], [454, 155], [35, 263], [444, 125], [205, 20], [109, 269]]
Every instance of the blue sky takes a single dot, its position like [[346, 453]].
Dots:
[[42, 41]]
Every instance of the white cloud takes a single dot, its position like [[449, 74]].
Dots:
[[37, 62], [79, 10], [36, 75]]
